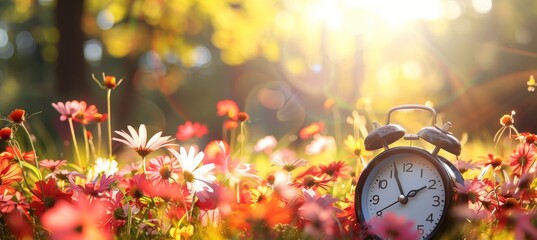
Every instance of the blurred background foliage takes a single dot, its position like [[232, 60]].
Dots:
[[279, 59]]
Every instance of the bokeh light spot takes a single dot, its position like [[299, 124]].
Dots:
[[7, 51], [271, 99], [482, 6], [202, 56], [452, 10], [25, 43], [105, 19], [93, 50], [49, 53], [412, 70], [523, 36], [3, 37]]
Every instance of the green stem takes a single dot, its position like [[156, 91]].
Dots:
[[20, 164], [143, 163], [74, 141], [32, 145], [99, 139], [337, 126], [242, 137], [109, 93], [86, 145], [238, 191]]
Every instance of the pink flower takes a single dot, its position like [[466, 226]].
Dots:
[[474, 189], [52, 164], [85, 113], [524, 225], [163, 168], [319, 222], [265, 144], [391, 226], [319, 144], [522, 158], [80, 220], [326, 201], [96, 187], [287, 159], [67, 109], [116, 212], [234, 169], [190, 130]]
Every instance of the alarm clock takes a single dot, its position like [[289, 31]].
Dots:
[[409, 181]]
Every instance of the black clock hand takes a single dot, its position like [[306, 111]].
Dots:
[[379, 212], [401, 199], [396, 175], [412, 193]]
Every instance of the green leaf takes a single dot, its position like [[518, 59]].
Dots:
[[34, 169]]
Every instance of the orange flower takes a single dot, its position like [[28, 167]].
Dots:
[[228, 107], [229, 124], [9, 174], [257, 217], [12, 153], [109, 82], [311, 130]]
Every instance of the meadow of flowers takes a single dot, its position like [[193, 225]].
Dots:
[[236, 187]]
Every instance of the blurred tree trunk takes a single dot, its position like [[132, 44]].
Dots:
[[70, 68]]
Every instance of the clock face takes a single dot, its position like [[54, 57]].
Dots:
[[408, 185]]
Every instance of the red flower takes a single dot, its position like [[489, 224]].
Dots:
[[17, 116], [527, 137], [6, 134], [227, 107], [311, 130], [242, 116], [336, 170], [46, 195], [522, 158], [190, 130], [79, 220]]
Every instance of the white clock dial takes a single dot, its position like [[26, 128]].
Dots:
[[420, 198]]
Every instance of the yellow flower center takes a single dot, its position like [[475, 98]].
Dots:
[[188, 176]]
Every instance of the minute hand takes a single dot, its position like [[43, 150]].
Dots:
[[396, 175], [412, 193]]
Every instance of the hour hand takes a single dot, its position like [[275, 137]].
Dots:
[[412, 193], [396, 175]]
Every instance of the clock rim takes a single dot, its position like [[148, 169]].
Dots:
[[436, 161]]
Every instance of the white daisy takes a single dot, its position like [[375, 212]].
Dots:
[[196, 177], [138, 141]]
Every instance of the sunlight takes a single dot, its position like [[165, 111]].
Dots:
[[396, 12]]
